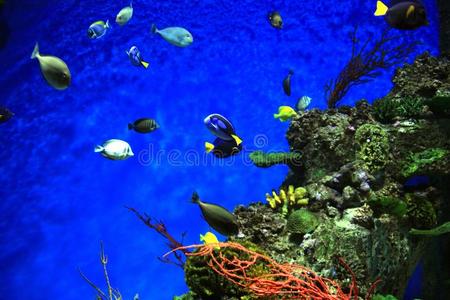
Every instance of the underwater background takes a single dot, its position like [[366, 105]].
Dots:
[[59, 199]]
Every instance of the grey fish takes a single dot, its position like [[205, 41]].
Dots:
[[55, 70], [5, 114], [177, 36], [217, 217], [303, 103], [287, 83], [144, 125], [125, 14]]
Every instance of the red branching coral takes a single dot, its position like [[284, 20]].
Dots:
[[366, 63], [288, 281]]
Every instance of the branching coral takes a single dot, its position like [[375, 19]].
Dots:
[[365, 64], [265, 160], [113, 294], [288, 281], [162, 230], [288, 199]]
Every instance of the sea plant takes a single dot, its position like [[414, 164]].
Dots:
[[387, 204], [416, 162], [365, 63], [387, 109], [441, 229]]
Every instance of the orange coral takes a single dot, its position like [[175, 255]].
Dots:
[[288, 281]]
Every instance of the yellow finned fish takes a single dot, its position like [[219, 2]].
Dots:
[[210, 238]]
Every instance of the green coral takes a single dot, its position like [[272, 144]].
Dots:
[[418, 161], [265, 160], [205, 283], [442, 229], [421, 212], [387, 204], [373, 142], [302, 221], [387, 109], [383, 297]]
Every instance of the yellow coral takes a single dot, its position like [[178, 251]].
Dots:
[[287, 199]]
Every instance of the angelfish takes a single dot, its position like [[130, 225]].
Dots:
[[405, 15], [54, 69], [135, 57], [217, 217]]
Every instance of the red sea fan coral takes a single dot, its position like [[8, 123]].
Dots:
[[284, 281]]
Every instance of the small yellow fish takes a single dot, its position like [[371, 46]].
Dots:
[[285, 113], [210, 238]]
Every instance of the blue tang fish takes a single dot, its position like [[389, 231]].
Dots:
[[222, 128], [135, 57], [221, 149], [98, 29], [177, 36]]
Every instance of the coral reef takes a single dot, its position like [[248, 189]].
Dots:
[[444, 26], [302, 221], [288, 199], [373, 146], [265, 160], [420, 163]]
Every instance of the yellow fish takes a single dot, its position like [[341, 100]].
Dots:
[[210, 238], [285, 113]]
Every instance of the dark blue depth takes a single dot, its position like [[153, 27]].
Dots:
[[58, 198]]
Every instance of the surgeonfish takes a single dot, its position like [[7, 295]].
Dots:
[[221, 128], [217, 217], [98, 29], [210, 238], [303, 103], [177, 36], [287, 83], [275, 20], [285, 113], [125, 14], [5, 114], [144, 125], [221, 148], [115, 149], [405, 15], [54, 69], [136, 297], [135, 57]]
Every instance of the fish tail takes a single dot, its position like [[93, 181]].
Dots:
[[98, 148], [130, 126], [35, 51], [208, 147], [154, 29], [107, 24], [276, 116], [381, 9], [237, 139], [145, 64], [195, 197], [131, 3]]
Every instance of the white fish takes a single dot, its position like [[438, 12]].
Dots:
[[177, 36], [303, 103], [125, 14], [115, 149]]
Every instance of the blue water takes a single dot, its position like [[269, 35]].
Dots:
[[59, 199]]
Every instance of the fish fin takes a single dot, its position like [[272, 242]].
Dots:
[[154, 29], [35, 51], [107, 24], [130, 126], [291, 72], [128, 53], [99, 149], [145, 64], [410, 10], [208, 147], [195, 197], [237, 139], [131, 3], [381, 9]]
